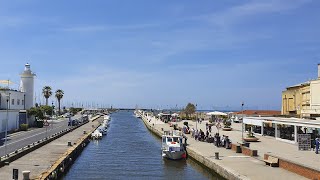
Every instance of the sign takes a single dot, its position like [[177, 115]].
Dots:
[[15, 174], [45, 123], [304, 142]]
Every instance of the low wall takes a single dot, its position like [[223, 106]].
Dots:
[[302, 170], [245, 150]]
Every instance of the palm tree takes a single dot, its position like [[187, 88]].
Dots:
[[47, 92], [59, 96]]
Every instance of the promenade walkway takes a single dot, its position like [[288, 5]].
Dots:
[[44, 158], [244, 167], [268, 145]]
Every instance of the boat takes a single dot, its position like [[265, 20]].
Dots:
[[103, 130], [106, 117], [172, 146], [96, 134], [137, 114]]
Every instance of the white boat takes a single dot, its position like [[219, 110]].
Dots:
[[137, 114], [103, 130], [106, 117], [172, 145], [96, 134]]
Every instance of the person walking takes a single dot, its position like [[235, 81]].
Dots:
[[317, 145]]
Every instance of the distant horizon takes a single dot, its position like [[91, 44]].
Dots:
[[163, 53]]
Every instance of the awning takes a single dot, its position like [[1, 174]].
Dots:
[[216, 113], [251, 121]]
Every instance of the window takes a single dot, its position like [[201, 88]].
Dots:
[[12, 102], [18, 101]]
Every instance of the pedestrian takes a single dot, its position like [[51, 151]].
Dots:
[[196, 135], [206, 126], [209, 128], [317, 145]]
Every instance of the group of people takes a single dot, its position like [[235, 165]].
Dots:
[[217, 140]]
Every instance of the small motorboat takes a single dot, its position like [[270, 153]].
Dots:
[[96, 134], [172, 145]]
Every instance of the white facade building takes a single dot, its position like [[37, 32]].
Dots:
[[16, 100], [14, 103]]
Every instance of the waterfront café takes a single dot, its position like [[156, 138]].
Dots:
[[283, 129]]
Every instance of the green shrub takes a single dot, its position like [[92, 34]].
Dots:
[[23, 127]]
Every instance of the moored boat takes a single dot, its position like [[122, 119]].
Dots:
[[96, 134], [172, 145]]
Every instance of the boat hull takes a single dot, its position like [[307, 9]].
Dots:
[[174, 155]]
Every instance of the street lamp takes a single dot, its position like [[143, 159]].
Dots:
[[52, 108], [242, 120], [7, 119], [196, 118]]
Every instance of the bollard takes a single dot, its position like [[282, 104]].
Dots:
[[26, 175], [216, 155], [69, 143]]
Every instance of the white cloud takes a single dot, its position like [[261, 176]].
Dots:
[[96, 28], [239, 13]]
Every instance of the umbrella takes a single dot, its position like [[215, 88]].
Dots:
[[6, 82], [216, 113], [175, 114]]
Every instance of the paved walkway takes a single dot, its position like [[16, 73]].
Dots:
[[269, 145], [243, 166], [42, 159]]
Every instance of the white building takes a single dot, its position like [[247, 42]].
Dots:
[[12, 99], [283, 129], [14, 103]]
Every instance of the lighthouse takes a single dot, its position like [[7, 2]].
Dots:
[[27, 86]]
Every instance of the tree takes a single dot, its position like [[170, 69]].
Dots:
[[59, 96], [47, 92], [47, 110], [74, 110], [36, 111], [190, 109]]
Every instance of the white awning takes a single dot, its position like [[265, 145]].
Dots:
[[255, 122]]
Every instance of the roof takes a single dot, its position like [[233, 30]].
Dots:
[[289, 121], [299, 85], [259, 112]]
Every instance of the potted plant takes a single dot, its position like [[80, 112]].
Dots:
[[250, 137], [227, 124]]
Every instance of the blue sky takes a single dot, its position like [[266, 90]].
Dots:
[[162, 54]]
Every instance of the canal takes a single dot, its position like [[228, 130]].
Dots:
[[130, 151]]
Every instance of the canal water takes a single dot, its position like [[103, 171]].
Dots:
[[130, 151]]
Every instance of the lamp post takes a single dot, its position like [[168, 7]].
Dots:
[[52, 114], [24, 101], [196, 118], [52, 108], [7, 119], [242, 120]]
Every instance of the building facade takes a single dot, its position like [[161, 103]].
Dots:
[[12, 99], [302, 100], [14, 103]]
